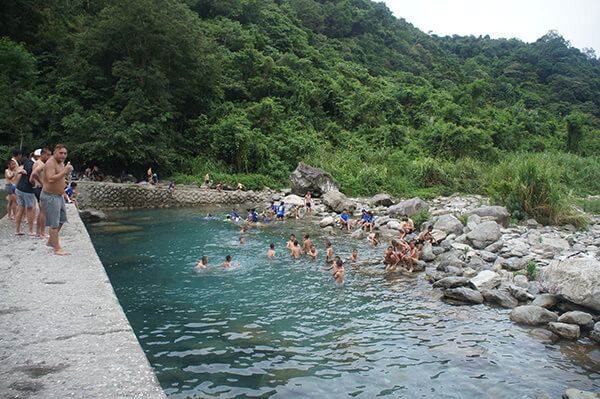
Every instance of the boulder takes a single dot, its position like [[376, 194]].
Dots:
[[408, 207], [293, 200], [448, 223], [574, 279], [488, 256], [498, 213], [521, 281], [520, 293], [578, 394], [381, 221], [484, 234], [595, 334], [382, 200], [439, 235], [358, 234], [486, 279], [306, 178], [426, 253], [532, 315], [92, 215], [327, 221], [582, 319], [494, 247], [551, 246], [473, 221], [393, 224], [337, 202], [545, 300], [564, 330], [453, 282], [499, 297], [464, 294]]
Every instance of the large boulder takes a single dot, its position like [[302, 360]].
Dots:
[[582, 319], [92, 215], [306, 178], [293, 200], [452, 282], [337, 202], [449, 223], [484, 234], [499, 213], [532, 315], [464, 294], [382, 200], [408, 207], [574, 279]]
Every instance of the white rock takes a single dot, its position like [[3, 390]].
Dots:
[[486, 279], [575, 279], [484, 234], [327, 221], [449, 224], [293, 199]]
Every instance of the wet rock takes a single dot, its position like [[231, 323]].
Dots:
[[499, 214], [358, 234], [426, 252], [439, 235], [547, 301], [488, 256], [433, 275], [306, 178], [520, 293], [532, 315], [578, 394], [534, 288], [408, 207], [337, 202], [453, 282], [92, 215], [419, 266], [582, 319], [498, 297], [382, 200], [563, 330], [486, 279], [484, 234], [513, 264], [464, 294], [543, 334], [595, 334], [438, 250], [575, 279], [327, 221], [449, 224]]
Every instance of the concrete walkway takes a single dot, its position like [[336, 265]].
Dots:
[[62, 331]]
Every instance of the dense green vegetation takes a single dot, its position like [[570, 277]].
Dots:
[[247, 88]]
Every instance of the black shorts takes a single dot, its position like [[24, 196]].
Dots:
[[37, 191], [410, 231], [419, 242], [308, 204]]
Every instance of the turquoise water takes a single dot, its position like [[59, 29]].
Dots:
[[282, 328]]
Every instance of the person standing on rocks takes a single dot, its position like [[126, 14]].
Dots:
[[407, 226], [55, 172], [25, 198], [308, 203], [207, 181], [280, 212], [36, 180]]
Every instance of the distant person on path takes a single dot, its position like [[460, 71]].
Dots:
[[207, 181], [70, 194], [52, 200], [10, 173], [271, 251], [240, 187], [25, 198], [36, 180], [308, 203], [154, 180]]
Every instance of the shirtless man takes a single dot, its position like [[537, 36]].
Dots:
[[296, 250], [308, 203], [227, 262], [36, 180], [271, 252], [407, 226], [202, 265], [411, 257], [207, 181], [390, 259], [306, 243], [290, 244], [354, 256], [313, 252], [338, 270], [242, 240], [426, 236], [329, 253], [374, 239], [10, 173], [52, 199]]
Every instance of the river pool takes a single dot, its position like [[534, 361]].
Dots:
[[282, 328]]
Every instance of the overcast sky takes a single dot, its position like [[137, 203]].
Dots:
[[578, 21]]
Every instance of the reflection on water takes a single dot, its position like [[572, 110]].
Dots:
[[282, 328]]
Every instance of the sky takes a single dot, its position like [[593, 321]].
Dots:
[[578, 21]]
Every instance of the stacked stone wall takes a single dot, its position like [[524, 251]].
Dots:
[[131, 196]]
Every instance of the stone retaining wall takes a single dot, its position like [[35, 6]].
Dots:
[[129, 196]]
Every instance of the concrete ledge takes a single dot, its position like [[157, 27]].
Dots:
[[63, 332]]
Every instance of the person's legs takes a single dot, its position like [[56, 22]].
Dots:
[[18, 218], [41, 221], [31, 219]]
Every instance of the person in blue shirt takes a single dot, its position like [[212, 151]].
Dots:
[[254, 216], [368, 224], [344, 220], [234, 215], [272, 211], [72, 194], [361, 220], [280, 212], [172, 187]]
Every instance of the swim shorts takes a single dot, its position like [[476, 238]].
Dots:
[[37, 190], [25, 199], [54, 209], [9, 189]]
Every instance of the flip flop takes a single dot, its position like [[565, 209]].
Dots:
[[20, 233]]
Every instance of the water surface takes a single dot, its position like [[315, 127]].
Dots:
[[282, 328]]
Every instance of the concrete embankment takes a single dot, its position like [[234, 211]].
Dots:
[[63, 332]]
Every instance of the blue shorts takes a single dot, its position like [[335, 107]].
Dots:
[[279, 216], [25, 199]]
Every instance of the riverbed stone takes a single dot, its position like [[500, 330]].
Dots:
[[518, 292], [486, 279], [306, 178], [382, 200], [92, 215], [499, 214], [574, 279], [484, 234], [499, 297], [449, 223], [521, 281], [582, 319], [547, 301], [453, 282], [426, 252], [564, 330], [337, 202], [393, 224], [327, 221], [494, 247], [595, 333], [293, 199], [408, 207], [473, 221], [572, 393], [532, 315], [488, 256], [358, 234], [464, 294]]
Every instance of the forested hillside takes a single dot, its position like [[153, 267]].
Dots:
[[254, 86]]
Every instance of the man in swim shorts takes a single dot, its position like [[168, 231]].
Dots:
[[308, 203], [52, 199]]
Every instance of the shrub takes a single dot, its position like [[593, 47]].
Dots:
[[420, 217], [531, 268]]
